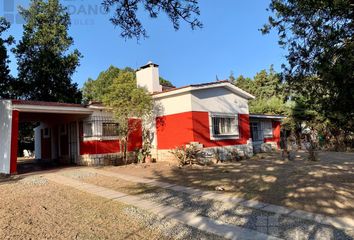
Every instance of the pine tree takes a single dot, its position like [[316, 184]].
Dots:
[[6, 80], [44, 64]]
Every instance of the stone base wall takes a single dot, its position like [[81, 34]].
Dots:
[[243, 150], [104, 159], [262, 147]]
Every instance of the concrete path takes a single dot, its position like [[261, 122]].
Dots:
[[189, 218], [339, 223]]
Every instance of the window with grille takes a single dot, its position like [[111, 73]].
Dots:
[[224, 125], [88, 129], [109, 129], [267, 129], [99, 128]]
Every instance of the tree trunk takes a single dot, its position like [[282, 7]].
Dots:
[[313, 146]]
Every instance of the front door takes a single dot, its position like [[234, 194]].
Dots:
[[256, 131]]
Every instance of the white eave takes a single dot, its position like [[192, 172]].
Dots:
[[227, 85], [51, 109]]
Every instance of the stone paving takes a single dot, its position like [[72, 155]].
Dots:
[[340, 223], [189, 218], [214, 212]]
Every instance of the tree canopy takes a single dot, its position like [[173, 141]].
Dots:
[[125, 14], [45, 64], [318, 36], [267, 89], [127, 101], [6, 80]]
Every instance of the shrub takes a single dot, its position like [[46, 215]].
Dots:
[[188, 154]]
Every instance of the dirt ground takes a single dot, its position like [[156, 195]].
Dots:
[[326, 186], [33, 208]]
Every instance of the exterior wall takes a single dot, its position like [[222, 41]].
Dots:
[[276, 134], [180, 129], [99, 147], [5, 136], [103, 159], [185, 118], [218, 100], [174, 130], [107, 146], [173, 104], [14, 141], [37, 143], [201, 131]]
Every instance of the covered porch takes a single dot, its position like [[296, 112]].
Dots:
[[55, 133]]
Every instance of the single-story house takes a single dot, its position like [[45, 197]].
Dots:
[[213, 115]]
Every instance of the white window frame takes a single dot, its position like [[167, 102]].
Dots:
[[86, 128], [234, 135], [96, 127], [267, 129]]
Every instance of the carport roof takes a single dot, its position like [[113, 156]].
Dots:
[[42, 103], [49, 107], [267, 116]]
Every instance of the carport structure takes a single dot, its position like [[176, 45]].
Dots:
[[58, 134]]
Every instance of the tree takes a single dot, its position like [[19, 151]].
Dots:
[[267, 89], [127, 101], [165, 82], [6, 80], [44, 64], [318, 36], [96, 89], [125, 14]]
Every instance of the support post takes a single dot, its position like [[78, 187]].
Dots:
[[14, 142]]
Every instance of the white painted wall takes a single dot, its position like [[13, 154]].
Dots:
[[148, 78], [5, 135], [37, 142], [173, 104], [218, 100]]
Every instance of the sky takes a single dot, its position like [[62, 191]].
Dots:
[[230, 41]]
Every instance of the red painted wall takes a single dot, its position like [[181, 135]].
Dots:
[[113, 146], [99, 147], [276, 134], [135, 137], [180, 129], [14, 142], [174, 130], [202, 131]]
